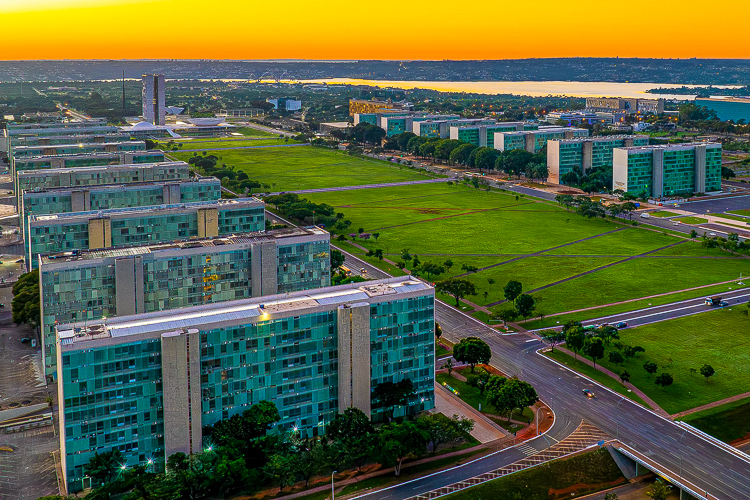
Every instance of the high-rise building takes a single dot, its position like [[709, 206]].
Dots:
[[585, 153], [147, 384], [153, 94], [442, 128], [128, 227], [629, 105], [95, 284], [668, 170], [285, 103], [136, 194], [77, 148], [361, 106], [534, 140], [30, 180], [484, 135]]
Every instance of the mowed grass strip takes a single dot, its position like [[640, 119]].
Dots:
[[308, 167], [230, 143], [729, 422], [717, 338]]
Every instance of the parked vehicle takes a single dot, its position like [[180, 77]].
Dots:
[[645, 216], [716, 300]]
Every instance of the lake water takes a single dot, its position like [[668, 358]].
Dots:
[[536, 89]]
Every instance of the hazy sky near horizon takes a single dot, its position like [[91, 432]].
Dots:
[[389, 29]]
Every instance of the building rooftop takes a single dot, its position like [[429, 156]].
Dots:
[[671, 147], [75, 144], [81, 156], [147, 210], [116, 187], [215, 242], [99, 168], [601, 138], [236, 312]]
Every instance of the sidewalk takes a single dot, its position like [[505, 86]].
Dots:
[[655, 407], [711, 405], [485, 430]]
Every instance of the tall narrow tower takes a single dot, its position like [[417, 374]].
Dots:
[[154, 98]]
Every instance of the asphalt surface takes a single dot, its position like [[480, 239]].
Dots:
[[717, 471]]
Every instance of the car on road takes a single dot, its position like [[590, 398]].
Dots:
[[676, 223], [25, 340], [712, 234], [645, 216], [588, 393], [621, 324]]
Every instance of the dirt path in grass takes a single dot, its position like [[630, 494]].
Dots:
[[658, 409], [543, 251], [708, 406], [590, 271]]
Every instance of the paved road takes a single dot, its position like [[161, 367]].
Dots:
[[716, 470]]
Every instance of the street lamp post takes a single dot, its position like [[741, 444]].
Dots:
[[333, 494]]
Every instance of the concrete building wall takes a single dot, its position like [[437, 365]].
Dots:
[[208, 222], [129, 289], [553, 162], [269, 268], [100, 233], [620, 169], [658, 174], [700, 169], [181, 368], [354, 357]]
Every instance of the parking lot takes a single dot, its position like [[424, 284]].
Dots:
[[718, 205], [27, 466]]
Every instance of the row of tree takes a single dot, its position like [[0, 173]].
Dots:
[[307, 212]]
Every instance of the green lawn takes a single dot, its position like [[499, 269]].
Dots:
[[745, 212], [734, 217], [254, 132], [582, 474], [718, 338], [663, 213], [474, 398], [692, 220], [230, 143], [307, 167], [469, 226], [727, 422]]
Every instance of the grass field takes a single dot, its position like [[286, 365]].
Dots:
[[717, 338], [474, 398], [568, 262], [738, 218], [230, 143], [727, 422], [692, 220], [745, 212], [663, 213], [307, 167], [566, 477]]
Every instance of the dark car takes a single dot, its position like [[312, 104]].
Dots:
[[621, 324], [25, 340], [588, 393]]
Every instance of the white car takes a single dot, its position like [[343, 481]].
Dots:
[[712, 234]]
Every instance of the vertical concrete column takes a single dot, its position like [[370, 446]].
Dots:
[[180, 368], [354, 357], [482, 136], [553, 162], [171, 194], [657, 174], [126, 158], [129, 294], [628, 143], [80, 200], [269, 264], [208, 222], [587, 153], [57, 163], [529, 144], [700, 168], [100, 233], [256, 278]]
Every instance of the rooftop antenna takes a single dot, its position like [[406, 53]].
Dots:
[[123, 92]]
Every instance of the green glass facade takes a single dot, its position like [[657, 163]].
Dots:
[[86, 286], [77, 149], [287, 352], [87, 160], [565, 155], [125, 227], [64, 200]]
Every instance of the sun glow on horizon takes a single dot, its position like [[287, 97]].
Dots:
[[338, 29]]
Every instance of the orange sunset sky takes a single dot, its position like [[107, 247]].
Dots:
[[388, 29]]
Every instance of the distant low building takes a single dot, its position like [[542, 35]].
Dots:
[[327, 128], [629, 105], [240, 113], [359, 106], [731, 108], [534, 140], [285, 103]]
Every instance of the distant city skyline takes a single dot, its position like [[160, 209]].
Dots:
[[79, 29]]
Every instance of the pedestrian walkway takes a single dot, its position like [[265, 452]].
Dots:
[[655, 407], [720, 402], [484, 430]]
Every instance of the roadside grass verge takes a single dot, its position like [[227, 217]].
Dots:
[[729, 422]]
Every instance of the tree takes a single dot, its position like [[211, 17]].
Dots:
[[607, 334], [525, 305], [632, 351], [594, 348], [512, 290], [707, 371], [352, 434], [393, 394], [25, 306], [448, 365], [337, 259], [460, 155], [510, 395], [438, 331], [309, 462], [430, 268], [611, 496], [658, 490], [442, 430], [376, 236], [727, 173], [456, 288], [624, 376], [552, 337], [485, 158], [281, 468], [104, 466], [693, 234], [399, 440], [448, 264], [616, 358], [473, 351], [575, 338], [507, 315], [650, 367], [250, 424]]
